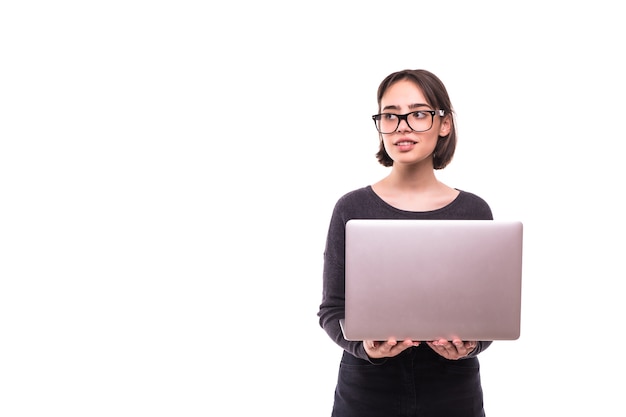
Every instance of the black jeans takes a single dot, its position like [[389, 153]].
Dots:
[[416, 383]]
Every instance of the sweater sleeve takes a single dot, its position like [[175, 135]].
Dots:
[[332, 307]]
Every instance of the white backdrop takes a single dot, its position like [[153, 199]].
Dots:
[[168, 170]]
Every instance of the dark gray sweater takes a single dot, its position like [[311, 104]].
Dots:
[[363, 203]]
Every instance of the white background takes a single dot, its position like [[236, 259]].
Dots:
[[168, 170]]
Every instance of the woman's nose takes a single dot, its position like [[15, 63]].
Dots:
[[403, 126]]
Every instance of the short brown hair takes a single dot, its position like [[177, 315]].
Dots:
[[437, 96]]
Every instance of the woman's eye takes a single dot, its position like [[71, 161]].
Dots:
[[390, 116], [419, 114]]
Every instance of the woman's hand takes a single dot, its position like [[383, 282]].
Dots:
[[387, 349], [455, 349]]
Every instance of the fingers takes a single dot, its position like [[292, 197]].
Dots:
[[455, 349], [386, 349], [470, 346], [449, 349]]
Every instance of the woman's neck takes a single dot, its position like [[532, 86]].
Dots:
[[411, 190]]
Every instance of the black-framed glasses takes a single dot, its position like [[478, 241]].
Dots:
[[418, 121]]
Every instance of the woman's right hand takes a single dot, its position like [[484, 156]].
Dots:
[[376, 349]]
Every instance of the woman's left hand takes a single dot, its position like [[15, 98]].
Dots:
[[455, 349]]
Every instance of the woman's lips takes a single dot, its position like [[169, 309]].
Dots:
[[405, 145]]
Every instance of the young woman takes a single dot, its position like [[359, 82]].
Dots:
[[403, 377]]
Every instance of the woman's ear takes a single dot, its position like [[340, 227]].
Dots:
[[446, 126]]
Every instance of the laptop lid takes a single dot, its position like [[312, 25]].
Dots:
[[430, 279]]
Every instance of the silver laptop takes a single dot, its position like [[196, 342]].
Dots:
[[430, 279]]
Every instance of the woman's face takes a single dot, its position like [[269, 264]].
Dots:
[[405, 146]]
